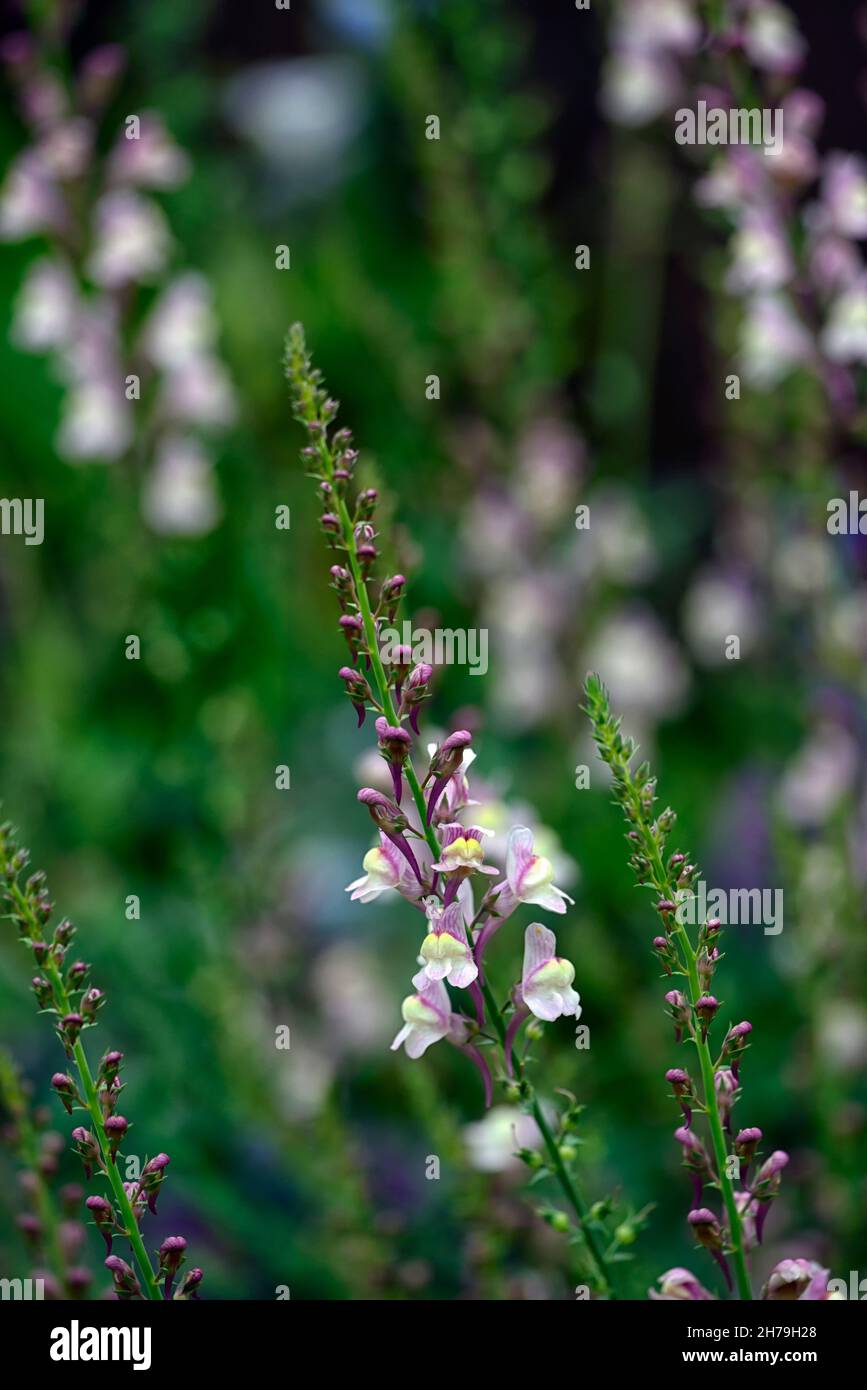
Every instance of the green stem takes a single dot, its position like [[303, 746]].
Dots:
[[664, 885], [717, 1136]]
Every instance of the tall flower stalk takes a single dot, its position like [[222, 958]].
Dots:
[[430, 856], [693, 1008], [63, 991]]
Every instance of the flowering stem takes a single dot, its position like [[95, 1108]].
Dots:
[[742, 1277], [63, 1005], [634, 791], [558, 1167]]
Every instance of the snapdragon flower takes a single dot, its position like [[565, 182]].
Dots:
[[445, 952], [529, 878], [428, 1018], [546, 982], [385, 867]]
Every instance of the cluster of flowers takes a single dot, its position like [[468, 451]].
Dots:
[[693, 1009], [426, 852], [794, 259], [63, 991], [156, 385]]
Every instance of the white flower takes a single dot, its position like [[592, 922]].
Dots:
[[384, 868], [181, 325], [96, 422], [546, 983], [445, 952], [45, 311], [492, 1141], [427, 1018], [179, 496], [132, 240]]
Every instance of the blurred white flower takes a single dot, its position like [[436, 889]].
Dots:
[[46, 307], [773, 341], [302, 115], [637, 86], [349, 988], [29, 201], [802, 566], [95, 421], [151, 159], [844, 194], [821, 774], [717, 607], [771, 38], [618, 543], [179, 496], [844, 337], [132, 239], [65, 151], [199, 392], [182, 324], [641, 665], [550, 460], [492, 1141], [843, 1035], [761, 260]]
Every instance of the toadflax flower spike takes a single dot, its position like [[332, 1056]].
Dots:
[[445, 953], [427, 1018], [384, 867], [546, 984]]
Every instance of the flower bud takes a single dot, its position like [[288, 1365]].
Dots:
[[116, 1127], [353, 630], [679, 1012], [415, 691], [87, 1148], [706, 1228], [171, 1257], [42, 989], [103, 1214], [189, 1284], [706, 1007], [126, 1284], [394, 745], [746, 1143], [66, 1089], [736, 1044], [357, 689]]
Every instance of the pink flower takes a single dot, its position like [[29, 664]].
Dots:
[[384, 867], [445, 952], [151, 159], [546, 984], [529, 877], [676, 1285], [132, 240], [796, 1279], [427, 1018]]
